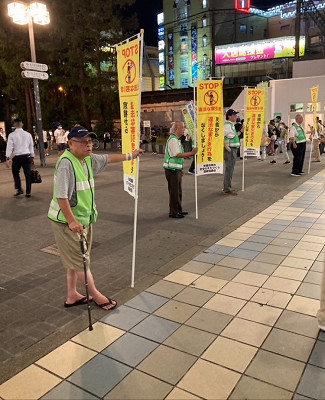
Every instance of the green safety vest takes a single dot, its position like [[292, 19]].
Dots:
[[301, 134], [84, 210], [173, 162], [234, 142]]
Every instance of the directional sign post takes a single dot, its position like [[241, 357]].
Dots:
[[34, 75], [33, 66]]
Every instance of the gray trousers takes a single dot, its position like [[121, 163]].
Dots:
[[230, 160]]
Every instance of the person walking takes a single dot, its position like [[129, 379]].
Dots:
[[45, 142], [20, 146], [314, 138], [3, 145], [298, 145], [73, 211], [153, 138], [107, 139], [173, 165], [231, 145], [282, 144]]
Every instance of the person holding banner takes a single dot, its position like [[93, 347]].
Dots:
[[173, 165], [298, 145], [231, 145], [73, 211]]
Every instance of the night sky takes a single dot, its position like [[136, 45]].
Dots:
[[148, 10]]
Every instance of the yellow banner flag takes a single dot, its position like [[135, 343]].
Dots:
[[210, 127], [314, 95], [128, 56], [253, 121]]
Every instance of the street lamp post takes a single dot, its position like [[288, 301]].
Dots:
[[23, 14]]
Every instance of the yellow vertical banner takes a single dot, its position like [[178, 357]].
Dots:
[[253, 121], [265, 86], [128, 56], [210, 127], [314, 95]]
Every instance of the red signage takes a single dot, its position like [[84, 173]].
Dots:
[[242, 5]]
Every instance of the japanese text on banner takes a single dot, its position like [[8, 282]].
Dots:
[[314, 95], [209, 127], [254, 121], [128, 81]]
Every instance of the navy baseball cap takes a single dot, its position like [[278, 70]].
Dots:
[[80, 132], [231, 112]]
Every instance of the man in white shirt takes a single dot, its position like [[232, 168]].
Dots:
[[20, 145]]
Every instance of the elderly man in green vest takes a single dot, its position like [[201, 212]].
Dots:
[[231, 144], [173, 164], [298, 145], [73, 210]]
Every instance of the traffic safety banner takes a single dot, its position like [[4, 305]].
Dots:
[[128, 56], [188, 115], [314, 95], [253, 121], [209, 127]]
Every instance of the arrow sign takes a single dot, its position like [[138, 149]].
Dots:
[[34, 75], [34, 66]]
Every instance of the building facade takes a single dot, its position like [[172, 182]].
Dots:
[[192, 32]]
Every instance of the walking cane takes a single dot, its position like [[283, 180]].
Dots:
[[82, 246]]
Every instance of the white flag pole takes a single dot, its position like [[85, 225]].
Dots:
[[243, 173], [140, 36], [195, 156]]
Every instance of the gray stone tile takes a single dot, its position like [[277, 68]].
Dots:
[[261, 267], [124, 317], [309, 290], [196, 297], [274, 227], [210, 258], [196, 267], [298, 323], [99, 375], [321, 335], [167, 364], [289, 344], [176, 311], [130, 349], [252, 246], [245, 254], [275, 369], [281, 250], [301, 224], [306, 219], [312, 383], [268, 233], [284, 242], [318, 355], [233, 262], [190, 340], [155, 328], [217, 249], [260, 239], [138, 385], [66, 390], [210, 321], [300, 397], [314, 277], [221, 272], [278, 222], [252, 389], [269, 258], [298, 231], [165, 288], [147, 302]]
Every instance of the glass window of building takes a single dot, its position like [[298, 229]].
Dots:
[[184, 65], [204, 40], [310, 107], [242, 28], [204, 3], [251, 29], [204, 21], [183, 29], [298, 107], [184, 82], [184, 46], [204, 59], [182, 13]]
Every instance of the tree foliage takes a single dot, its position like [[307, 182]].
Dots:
[[78, 48]]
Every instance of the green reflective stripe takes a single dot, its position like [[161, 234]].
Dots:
[[84, 185], [166, 165]]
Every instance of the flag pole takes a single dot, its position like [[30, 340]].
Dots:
[[140, 36], [243, 173], [195, 145]]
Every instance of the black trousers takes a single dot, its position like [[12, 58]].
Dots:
[[23, 161], [298, 157], [174, 179]]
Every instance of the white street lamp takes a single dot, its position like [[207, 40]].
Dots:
[[23, 14]]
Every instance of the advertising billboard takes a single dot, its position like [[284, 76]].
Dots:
[[259, 50]]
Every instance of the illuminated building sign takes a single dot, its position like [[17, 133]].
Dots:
[[161, 32], [194, 52], [259, 50], [171, 74], [242, 5], [286, 10], [160, 19]]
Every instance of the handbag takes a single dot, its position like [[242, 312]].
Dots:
[[35, 176], [265, 141]]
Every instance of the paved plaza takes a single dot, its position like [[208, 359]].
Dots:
[[224, 306]]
